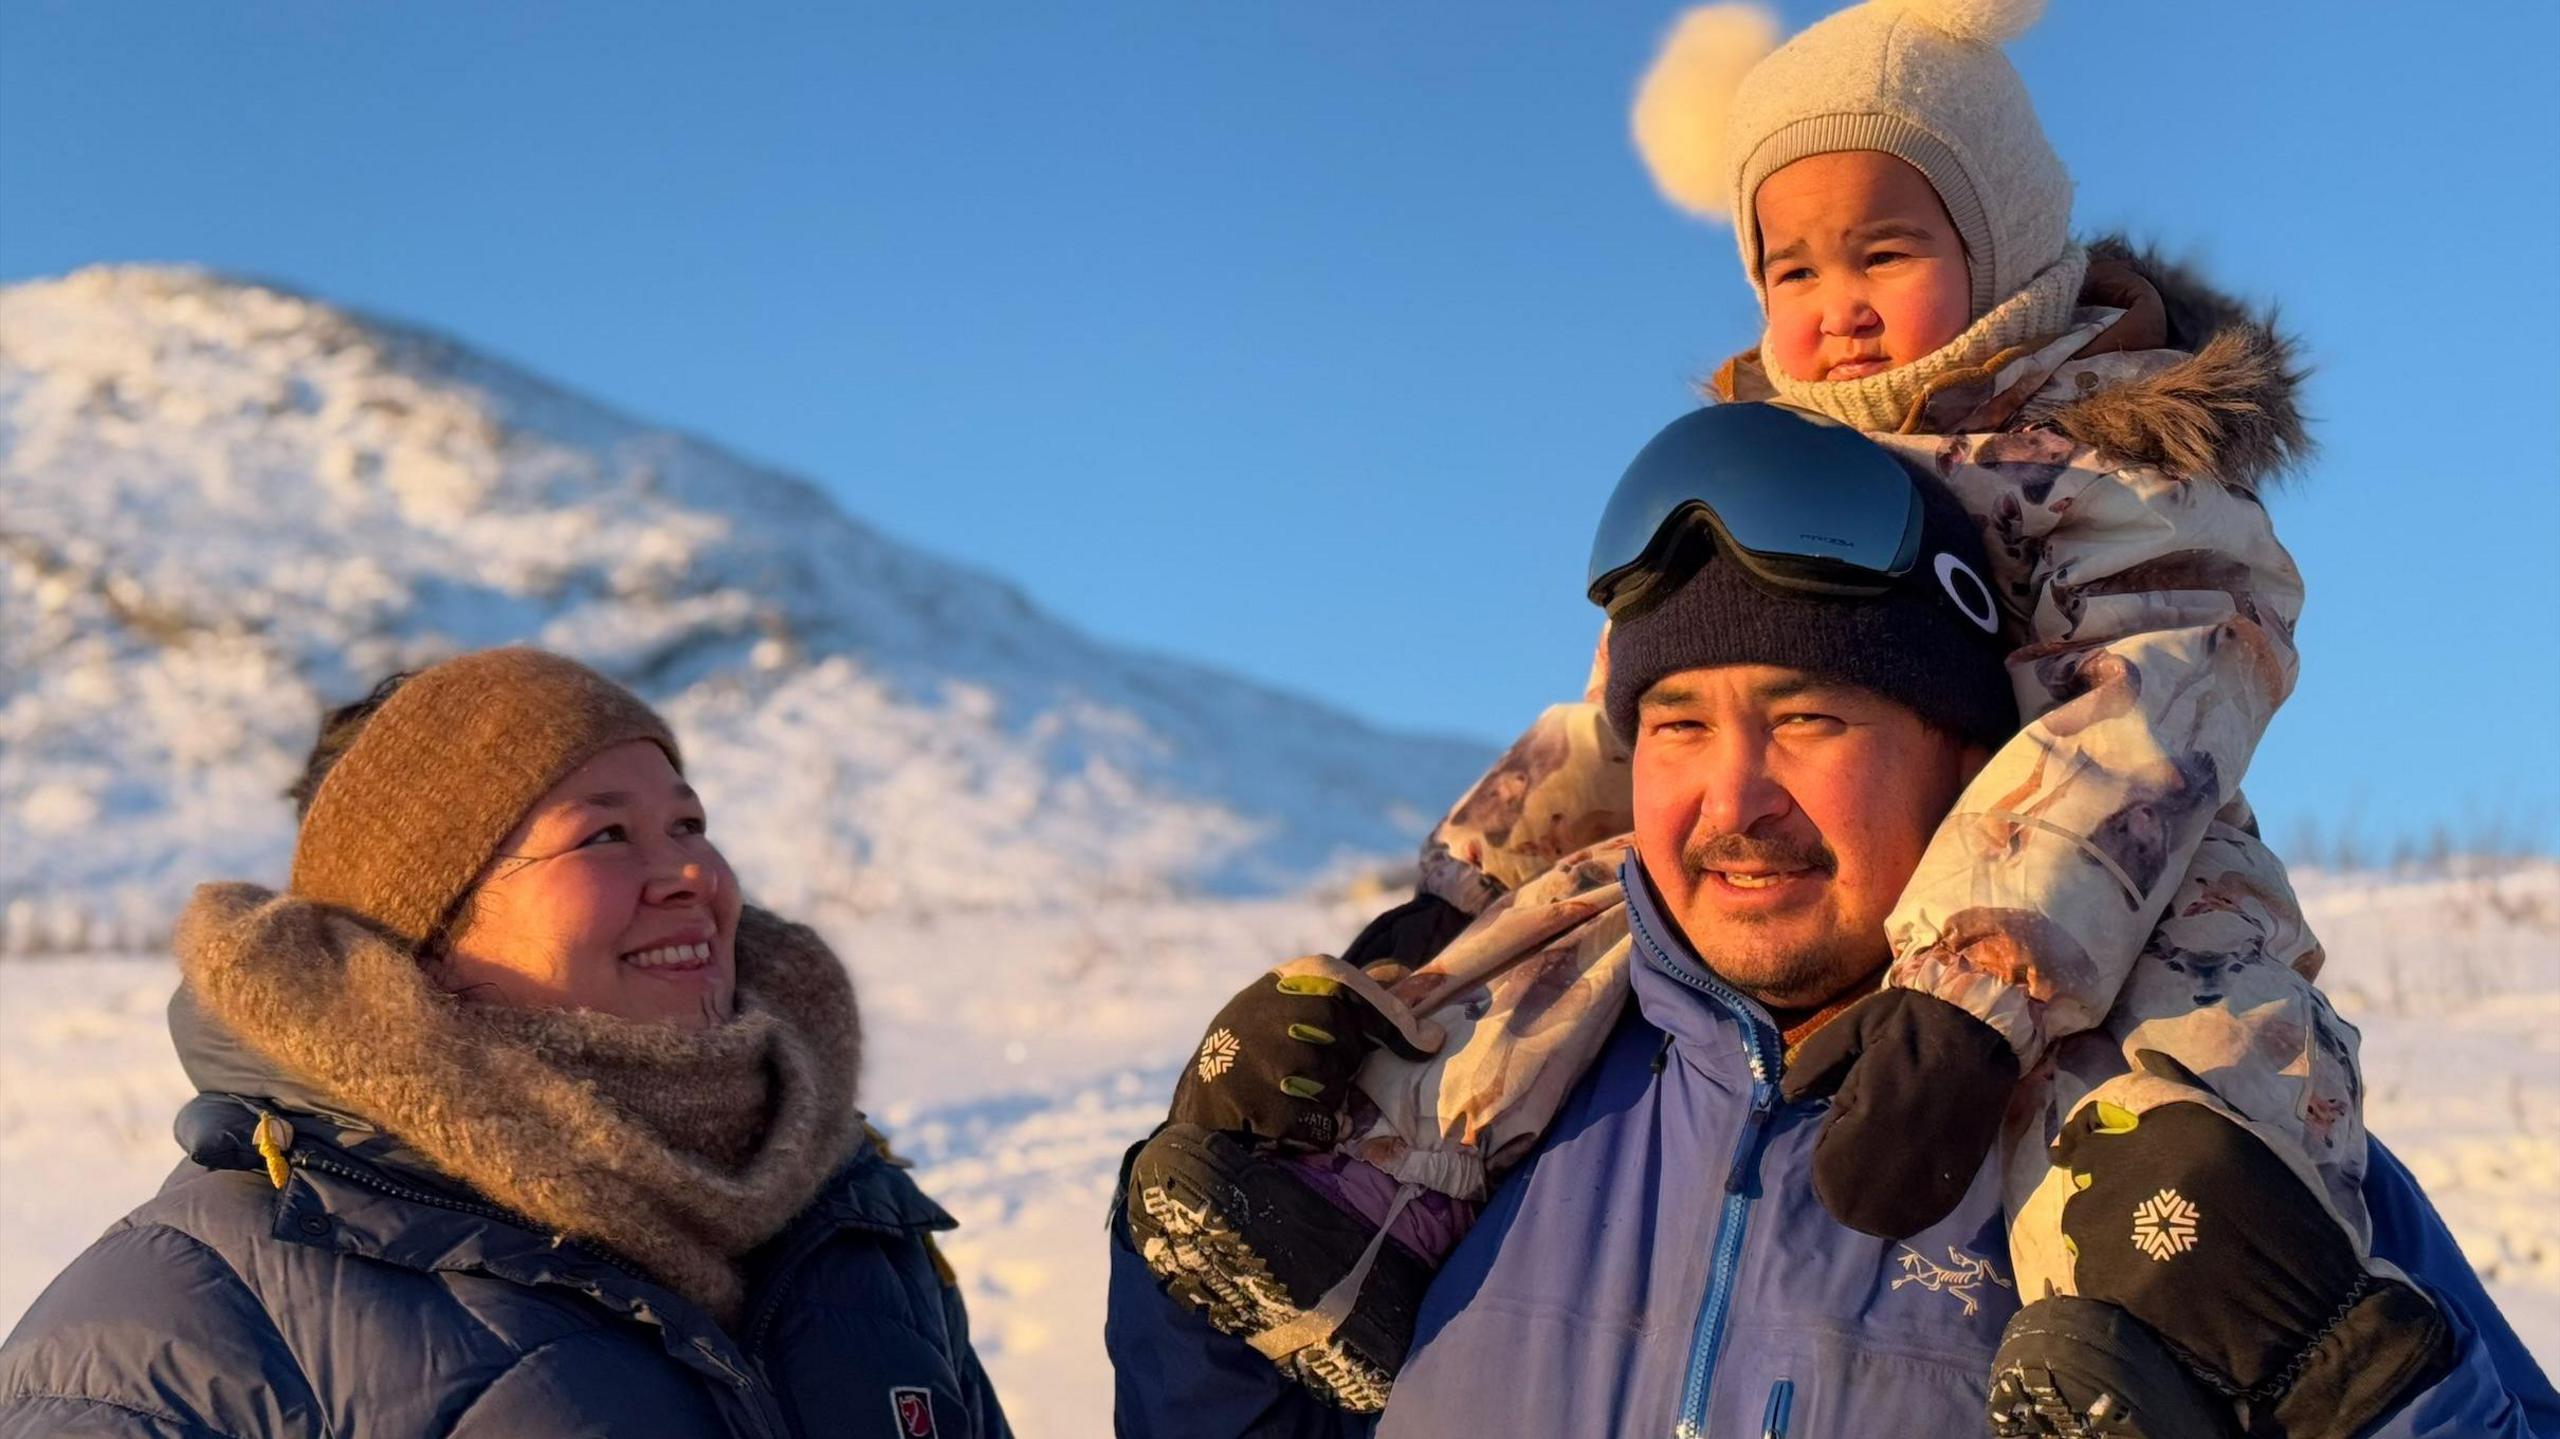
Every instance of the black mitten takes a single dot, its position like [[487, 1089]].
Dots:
[[1411, 934], [1278, 1060], [1919, 1089], [2191, 1224]]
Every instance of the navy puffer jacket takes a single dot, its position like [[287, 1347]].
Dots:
[[367, 1298]]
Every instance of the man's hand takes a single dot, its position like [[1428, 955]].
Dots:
[[1919, 1089], [2191, 1224], [1278, 1060]]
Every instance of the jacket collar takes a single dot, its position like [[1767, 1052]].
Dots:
[[1713, 1025], [218, 1061]]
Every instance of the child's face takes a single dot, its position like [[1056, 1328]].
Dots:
[[1861, 265]]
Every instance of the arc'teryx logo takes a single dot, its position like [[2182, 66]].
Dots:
[[1217, 1054], [1961, 1276], [2164, 1226]]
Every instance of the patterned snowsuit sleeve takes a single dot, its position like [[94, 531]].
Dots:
[[1562, 787], [2160, 614]]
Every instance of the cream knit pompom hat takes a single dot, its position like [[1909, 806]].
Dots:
[[1921, 80]]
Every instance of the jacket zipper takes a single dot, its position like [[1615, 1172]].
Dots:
[[771, 1308], [1767, 1057], [414, 1196], [462, 1206]]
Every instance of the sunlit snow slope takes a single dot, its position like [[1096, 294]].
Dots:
[[222, 505]]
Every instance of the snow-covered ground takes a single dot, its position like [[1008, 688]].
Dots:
[[2456, 985], [1014, 1056]]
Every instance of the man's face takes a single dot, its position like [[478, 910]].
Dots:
[[1779, 815]]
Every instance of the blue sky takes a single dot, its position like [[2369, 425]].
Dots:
[[1309, 337]]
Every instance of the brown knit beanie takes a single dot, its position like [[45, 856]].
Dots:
[[410, 815]]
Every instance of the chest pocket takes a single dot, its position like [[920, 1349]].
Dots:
[[1825, 1390]]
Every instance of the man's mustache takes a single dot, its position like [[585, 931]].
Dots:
[[1743, 851]]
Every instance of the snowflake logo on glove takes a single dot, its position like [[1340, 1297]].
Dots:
[[1217, 1054], [2164, 1226]]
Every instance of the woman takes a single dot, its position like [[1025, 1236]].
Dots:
[[514, 1121]]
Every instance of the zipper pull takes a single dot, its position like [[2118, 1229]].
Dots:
[[274, 1139], [1782, 1403], [1755, 1126]]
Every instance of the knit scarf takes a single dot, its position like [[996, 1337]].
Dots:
[[678, 1152], [1884, 401]]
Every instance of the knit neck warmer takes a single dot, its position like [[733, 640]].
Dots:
[[678, 1152], [1887, 400]]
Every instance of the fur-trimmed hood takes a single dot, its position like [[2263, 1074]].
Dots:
[[2231, 408], [2185, 378]]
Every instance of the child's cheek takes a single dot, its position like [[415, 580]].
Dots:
[[1933, 313], [1795, 338]]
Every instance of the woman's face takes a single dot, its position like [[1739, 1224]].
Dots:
[[609, 896]]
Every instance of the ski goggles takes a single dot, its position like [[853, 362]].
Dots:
[[1800, 501]]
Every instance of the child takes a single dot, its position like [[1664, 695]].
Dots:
[[2099, 897]]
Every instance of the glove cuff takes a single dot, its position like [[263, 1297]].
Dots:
[[2382, 1347]]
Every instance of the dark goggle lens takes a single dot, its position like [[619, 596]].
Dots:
[[1802, 501]]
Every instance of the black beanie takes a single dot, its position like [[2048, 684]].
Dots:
[[1931, 642]]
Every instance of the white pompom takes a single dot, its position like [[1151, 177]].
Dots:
[[1984, 22], [1684, 105]]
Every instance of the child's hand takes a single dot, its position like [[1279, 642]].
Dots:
[[1278, 1060], [2192, 1225], [1919, 1089]]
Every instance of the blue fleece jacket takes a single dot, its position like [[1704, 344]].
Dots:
[[1660, 1267]]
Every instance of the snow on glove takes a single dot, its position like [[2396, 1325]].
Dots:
[[1278, 1060], [2191, 1224], [1919, 1087]]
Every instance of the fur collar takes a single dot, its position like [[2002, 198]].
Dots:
[[678, 1152], [2186, 379], [2229, 408]]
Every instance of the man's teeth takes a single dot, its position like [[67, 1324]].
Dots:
[[1758, 881], [669, 955]]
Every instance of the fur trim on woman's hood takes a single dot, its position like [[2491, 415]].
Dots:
[[2232, 409]]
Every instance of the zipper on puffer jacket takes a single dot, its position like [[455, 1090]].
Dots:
[[1767, 1056], [305, 1159]]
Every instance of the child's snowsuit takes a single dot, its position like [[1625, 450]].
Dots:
[[2098, 891]]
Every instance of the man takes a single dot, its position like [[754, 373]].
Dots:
[[1660, 1264]]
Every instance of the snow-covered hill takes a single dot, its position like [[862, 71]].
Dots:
[[222, 505]]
